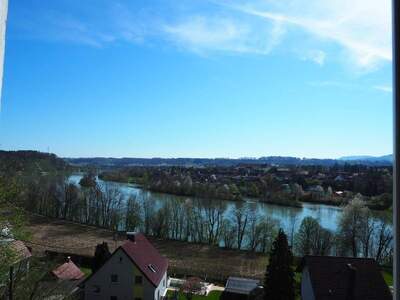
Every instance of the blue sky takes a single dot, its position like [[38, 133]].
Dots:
[[198, 78]]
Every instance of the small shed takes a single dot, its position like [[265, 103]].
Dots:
[[68, 271], [238, 288]]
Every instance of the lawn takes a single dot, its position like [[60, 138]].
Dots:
[[388, 276], [213, 295], [86, 271]]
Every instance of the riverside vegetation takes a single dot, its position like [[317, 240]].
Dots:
[[45, 189], [200, 221], [286, 185]]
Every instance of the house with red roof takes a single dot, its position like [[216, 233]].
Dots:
[[61, 283], [68, 271], [342, 278], [135, 271]]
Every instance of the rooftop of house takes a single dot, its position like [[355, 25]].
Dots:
[[68, 271], [143, 254], [240, 285], [343, 277], [20, 250]]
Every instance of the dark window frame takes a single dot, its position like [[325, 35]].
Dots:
[[138, 279], [114, 278]]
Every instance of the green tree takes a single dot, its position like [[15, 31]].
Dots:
[[279, 278]]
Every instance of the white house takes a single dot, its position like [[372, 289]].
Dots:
[[135, 271]]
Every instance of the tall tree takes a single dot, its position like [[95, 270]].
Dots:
[[101, 255], [133, 216], [312, 238], [279, 278], [352, 224], [240, 217]]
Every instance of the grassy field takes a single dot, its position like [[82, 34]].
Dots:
[[213, 295], [185, 259]]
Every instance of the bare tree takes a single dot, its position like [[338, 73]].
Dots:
[[213, 214], [383, 242], [133, 218], [270, 228], [228, 233], [148, 212], [240, 218]]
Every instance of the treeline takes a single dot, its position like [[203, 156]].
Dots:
[[335, 185], [206, 221], [29, 162], [102, 162]]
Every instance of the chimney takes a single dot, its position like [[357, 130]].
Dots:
[[130, 235], [351, 283], [68, 259]]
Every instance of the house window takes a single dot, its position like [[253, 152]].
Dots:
[[138, 279], [138, 298], [114, 278], [113, 298], [120, 259]]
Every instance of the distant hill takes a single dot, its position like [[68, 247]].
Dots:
[[30, 162], [198, 162], [363, 158]]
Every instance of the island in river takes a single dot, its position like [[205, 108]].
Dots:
[[283, 185]]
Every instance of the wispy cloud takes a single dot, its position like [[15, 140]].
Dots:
[[316, 56], [384, 88], [203, 34], [361, 28], [356, 33], [349, 85]]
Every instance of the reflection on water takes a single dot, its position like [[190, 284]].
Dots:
[[286, 215]]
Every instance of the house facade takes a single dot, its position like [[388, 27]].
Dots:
[[135, 271]]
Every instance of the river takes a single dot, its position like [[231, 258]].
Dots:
[[286, 215]]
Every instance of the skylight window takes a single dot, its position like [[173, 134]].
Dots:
[[152, 268]]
